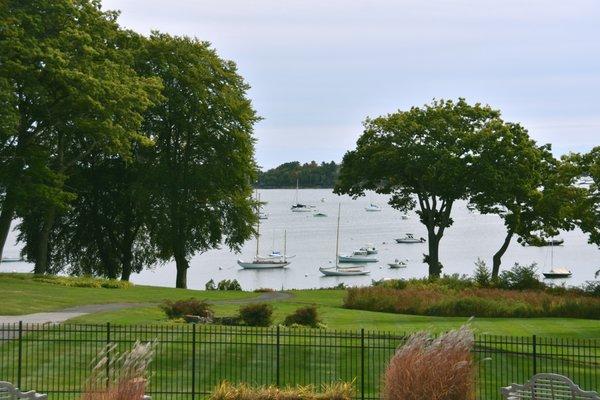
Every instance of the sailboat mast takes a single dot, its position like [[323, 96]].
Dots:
[[284, 245], [552, 255], [297, 198], [257, 224], [337, 236]]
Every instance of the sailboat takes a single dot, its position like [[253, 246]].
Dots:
[[556, 272], [299, 207], [266, 262], [337, 270]]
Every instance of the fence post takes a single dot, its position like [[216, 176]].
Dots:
[[193, 361], [20, 363], [277, 355], [107, 354], [362, 363], [534, 354]]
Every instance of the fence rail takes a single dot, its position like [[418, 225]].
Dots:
[[191, 359]]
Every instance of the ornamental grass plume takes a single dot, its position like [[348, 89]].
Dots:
[[120, 376], [334, 391], [439, 368]]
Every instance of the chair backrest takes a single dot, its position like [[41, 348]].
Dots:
[[548, 387], [9, 392]]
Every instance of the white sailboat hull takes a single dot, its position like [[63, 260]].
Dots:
[[262, 264], [353, 271], [409, 240]]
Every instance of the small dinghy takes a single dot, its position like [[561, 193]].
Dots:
[[557, 272], [372, 207], [410, 238], [319, 214], [398, 264]]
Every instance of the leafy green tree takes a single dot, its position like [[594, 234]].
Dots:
[[310, 175], [73, 91], [421, 156], [514, 179], [202, 165], [104, 231]]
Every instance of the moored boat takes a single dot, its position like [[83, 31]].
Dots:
[[410, 238], [397, 264], [369, 248], [557, 272], [372, 207]]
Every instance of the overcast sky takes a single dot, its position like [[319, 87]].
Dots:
[[318, 68]]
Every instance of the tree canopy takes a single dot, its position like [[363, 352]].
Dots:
[[423, 156], [308, 175]]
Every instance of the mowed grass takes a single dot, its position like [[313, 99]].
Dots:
[[23, 295], [334, 316]]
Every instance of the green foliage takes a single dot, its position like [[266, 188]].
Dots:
[[521, 277], [191, 306], [83, 281], [76, 92], [422, 156], [306, 316], [308, 175], [202, 164], [257, 314], [482, 276], [227, 284], [210, 285]]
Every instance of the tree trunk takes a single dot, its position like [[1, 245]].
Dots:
[[182, 267], [6, 216], [41, 259], [433, 258], [497, 259], [126, 264]]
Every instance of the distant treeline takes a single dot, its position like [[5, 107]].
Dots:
[[309, 175]]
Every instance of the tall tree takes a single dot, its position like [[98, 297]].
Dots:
[[202, 165], [74, 91], [588, 165], [421, 156], [512, 174]]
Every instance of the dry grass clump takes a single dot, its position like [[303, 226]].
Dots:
[[334, 391], [127, 373], [432, 369]]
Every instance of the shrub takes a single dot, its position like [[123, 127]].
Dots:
[[263, 290], [391, 283], [306, 316], [259, 314], [441, 369], [333, 391], [227, 284], [521, 277], [210, 285], [592, 287], [83, 281], [181, 308], [482, 276]]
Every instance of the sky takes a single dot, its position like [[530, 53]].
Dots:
[[318, 68]]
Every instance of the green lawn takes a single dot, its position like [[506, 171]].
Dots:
[[23, 295]]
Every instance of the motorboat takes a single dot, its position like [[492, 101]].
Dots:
[[557, 272], [398, 264], [410, 238], [358, 256], [338, 270], [372, 207], [471, 207], [369, 248], [262, 215], [319, 214]]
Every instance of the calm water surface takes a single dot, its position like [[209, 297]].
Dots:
[[312, 240]]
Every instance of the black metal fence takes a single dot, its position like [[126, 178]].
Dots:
[[190, 360]]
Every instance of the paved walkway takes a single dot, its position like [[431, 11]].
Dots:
[[55, 317]]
